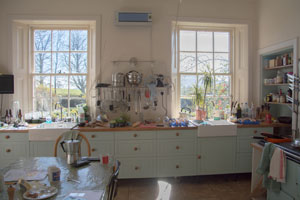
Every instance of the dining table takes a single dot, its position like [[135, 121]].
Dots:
[[91, 177]]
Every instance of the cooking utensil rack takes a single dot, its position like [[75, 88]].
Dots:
[[294, 86]]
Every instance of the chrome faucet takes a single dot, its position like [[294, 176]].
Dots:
[[58, 105]]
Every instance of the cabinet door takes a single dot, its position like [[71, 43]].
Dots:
[[244, 162], [43, 149], [217, 155], [278, 196]]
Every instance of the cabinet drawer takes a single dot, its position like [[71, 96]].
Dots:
[[135, 135], [98, 148], [137, 167], [13, 150], [6, 137], [177, 134], [135, 148], [176, 147], [99, 135], [253, 131], [244, 162], [176, 166]]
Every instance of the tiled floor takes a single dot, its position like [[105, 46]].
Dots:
[[219, 187]]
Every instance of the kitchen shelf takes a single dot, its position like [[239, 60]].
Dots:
[[279, 67], [277, 84]]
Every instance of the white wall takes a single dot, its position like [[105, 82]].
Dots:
[[278, 21], [119, 43]]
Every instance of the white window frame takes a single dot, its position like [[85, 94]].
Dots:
[[231, 57], [31, 65]]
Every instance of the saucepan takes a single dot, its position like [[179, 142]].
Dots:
[[272, 138]]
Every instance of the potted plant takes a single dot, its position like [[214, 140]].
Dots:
[[199, 95]]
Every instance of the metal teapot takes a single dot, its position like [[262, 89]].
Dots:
[[71, 148], [134, 78]]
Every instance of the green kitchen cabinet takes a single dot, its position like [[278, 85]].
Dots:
[[216, 155], [244, 150], [44, 149], [12, 147]]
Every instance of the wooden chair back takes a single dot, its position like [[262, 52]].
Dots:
[[113, 183], [79, 134]]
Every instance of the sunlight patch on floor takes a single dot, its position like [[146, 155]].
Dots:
[[164, 190]]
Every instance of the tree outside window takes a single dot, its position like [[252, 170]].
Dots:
[[60, 70]]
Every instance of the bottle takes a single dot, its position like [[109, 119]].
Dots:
[[10, 116], [246, 110], [81, 115], [7, 117], [279, 78], [20, 115], [238, 112]]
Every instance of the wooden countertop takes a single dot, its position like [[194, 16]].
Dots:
[[263, 124], [103, 129]]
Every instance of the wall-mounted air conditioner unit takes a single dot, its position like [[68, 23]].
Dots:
[[133, 18]]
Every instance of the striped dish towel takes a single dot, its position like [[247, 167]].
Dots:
[[278, 166]]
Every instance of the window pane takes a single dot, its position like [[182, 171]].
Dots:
[[41, 93], [60, 63], [41, 86], [222, 103], [222, 85], [79, 62], [205, 62], [42, 40], [187, 83], [42, 63], [187, 62], [59, 89], [187, 40], [61, 40], [222, 63], [204, 41], [221, 41], [78, 86], [210, 86], [79, 40], [42, 105]]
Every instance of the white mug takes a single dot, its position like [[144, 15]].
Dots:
[[53, 174]]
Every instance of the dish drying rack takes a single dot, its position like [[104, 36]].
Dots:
[[293, 81]]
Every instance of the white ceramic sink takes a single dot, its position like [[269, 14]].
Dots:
[[49, 132], [56, 125], [217, 128]]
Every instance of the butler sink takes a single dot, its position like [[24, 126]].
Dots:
[[217, 128], [49, 132]]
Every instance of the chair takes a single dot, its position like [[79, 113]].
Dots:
[[112, 186], [79, 134]]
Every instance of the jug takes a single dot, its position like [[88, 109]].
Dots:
[[71, 148]]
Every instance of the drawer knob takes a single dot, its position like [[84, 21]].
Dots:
[[135, 135], [93, 136], [135, 148], [177, 147], [177, 134], [255, 131], [177, 166], [8, 150], [7, 137], [199, 157], [136, 168], [93, 149]]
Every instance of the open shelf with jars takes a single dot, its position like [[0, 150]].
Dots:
[[277, 62]]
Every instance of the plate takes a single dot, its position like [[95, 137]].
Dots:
[[42, 192]]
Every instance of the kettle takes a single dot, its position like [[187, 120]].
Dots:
[[71, 148]]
